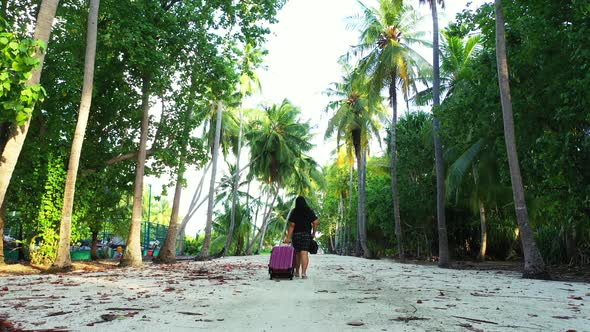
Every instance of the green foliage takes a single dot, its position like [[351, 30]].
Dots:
[[547, 58], [17, 61], [277, 138], [44, 251], [192, 246]]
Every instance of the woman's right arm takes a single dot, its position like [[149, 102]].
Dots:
[[290, 232]]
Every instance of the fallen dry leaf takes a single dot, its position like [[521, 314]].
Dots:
[[59, 313], [355, 323], [410, 318], [190, 313]]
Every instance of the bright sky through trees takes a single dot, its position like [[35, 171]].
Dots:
[[302, 61], [304, 48]]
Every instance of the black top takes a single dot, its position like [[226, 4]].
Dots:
[[302, 218]]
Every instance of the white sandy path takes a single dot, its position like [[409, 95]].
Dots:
[[340, 290]]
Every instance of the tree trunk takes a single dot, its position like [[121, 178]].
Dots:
[[350, 223], [483, 230], [132, 255], [207, 240], [248, 207], [232, 224], [180, 235], [18, 134], [167, 253], [2, 217], [534, 267], [193, 206], [250, 244], [94, 246], [265, 221], [256, 236], [443, 243], [287, 221], [239, 246], [63, 260], [393, 152], [362, 203]]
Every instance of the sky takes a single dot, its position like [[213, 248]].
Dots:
[[302, 61]]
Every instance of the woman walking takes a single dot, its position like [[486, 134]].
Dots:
[[303, 225]]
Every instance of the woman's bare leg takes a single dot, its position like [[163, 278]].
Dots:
[[297, 263], [304, 263]]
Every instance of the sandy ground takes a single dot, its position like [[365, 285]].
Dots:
[[236, 294]]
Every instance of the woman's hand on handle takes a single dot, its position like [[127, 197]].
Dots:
[[315, 228]]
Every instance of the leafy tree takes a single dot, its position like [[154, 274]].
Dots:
[[18, 133]]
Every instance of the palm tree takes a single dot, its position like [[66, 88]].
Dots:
[[63, 260], [355, 120], [207, 240], [443, 242], [457, 57], [304, 177], [242, 225], [277, 139], [249, 83], [17, 135], [479, 158], [387, 36], [534, 267]]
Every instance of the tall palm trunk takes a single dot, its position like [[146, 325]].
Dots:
[[207, 240], [248, 209], [481, 256], [361, 213], [340, 224], [250, 245], [393, 152], [363, 204], [232, 224], [443, 243], [483, 232], [191, 210], [350, 223], [534, 267], [63, 260], [132, 255], [265, 221], [17, 135]]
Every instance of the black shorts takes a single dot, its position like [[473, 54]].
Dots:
[[301, 241]]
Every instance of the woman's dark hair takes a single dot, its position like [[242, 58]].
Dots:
[[300, 203], [302, 210]]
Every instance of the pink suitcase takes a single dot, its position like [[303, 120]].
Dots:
[[282, 260]]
